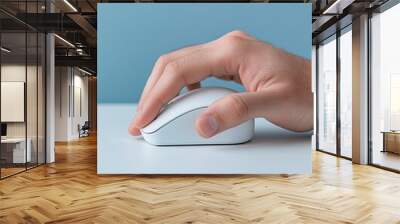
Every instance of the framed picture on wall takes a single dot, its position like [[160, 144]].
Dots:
[[12, 101]]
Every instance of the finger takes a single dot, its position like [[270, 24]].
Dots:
[[160, 66], [185, 71], [193, 86], [155, 75], [241, 34], [134, 131], [229, 112], [164, 60]]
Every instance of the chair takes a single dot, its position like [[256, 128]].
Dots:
[[84, 130]]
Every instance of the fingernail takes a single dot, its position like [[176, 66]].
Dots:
[[210, 127]]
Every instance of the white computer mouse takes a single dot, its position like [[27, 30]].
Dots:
[[175, 124]]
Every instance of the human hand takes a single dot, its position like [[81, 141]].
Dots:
[[278, 84]]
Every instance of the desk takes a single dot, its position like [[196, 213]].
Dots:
[[273, 150], [391, 141], [17, 151]]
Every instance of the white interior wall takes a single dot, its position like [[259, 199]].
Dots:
[[33, 127], [81, 82], [16, 72], [68, 82], [61, 103]]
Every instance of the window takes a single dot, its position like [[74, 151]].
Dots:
[[385, 89], [327, 95], [22, 77], [334, 106], [346, 92]]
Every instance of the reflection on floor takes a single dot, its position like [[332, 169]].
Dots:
[[10, 169], [347, 152], [387, 159], [70, 191]]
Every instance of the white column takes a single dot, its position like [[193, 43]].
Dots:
[[50, 110], [360, 90], [50, 92]]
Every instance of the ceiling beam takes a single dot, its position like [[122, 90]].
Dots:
[[337, 7], [86, 27], [82, 61]]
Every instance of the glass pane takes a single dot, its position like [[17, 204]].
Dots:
[[346, 94], [41, 98], [386, 89], [32, 96], [13, 88], [327, 96]]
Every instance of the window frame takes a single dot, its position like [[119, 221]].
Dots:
[[337, 34]]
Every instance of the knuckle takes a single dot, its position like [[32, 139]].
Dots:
[[172, 68], [239, 107], [231, 46], [238, 33], [231, 42], [162, 60]]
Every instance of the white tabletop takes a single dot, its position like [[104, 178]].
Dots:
[[273, 150], [13, 140]]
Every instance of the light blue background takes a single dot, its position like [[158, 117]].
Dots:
[[132, 36]]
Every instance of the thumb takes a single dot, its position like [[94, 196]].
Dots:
[[225, 113]]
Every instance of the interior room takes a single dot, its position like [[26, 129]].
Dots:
[[49, 129], [22, 102]]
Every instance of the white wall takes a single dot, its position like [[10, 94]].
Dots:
[[79, 117], [16, 72], [33, 127], [70, 83], [62, 82]]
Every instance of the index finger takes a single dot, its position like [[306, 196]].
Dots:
[[157, 72], [160, 65]]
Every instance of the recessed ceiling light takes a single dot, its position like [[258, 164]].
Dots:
[[65, 41], [5, 50], [70, 5], [337, 7], [84, 71]]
